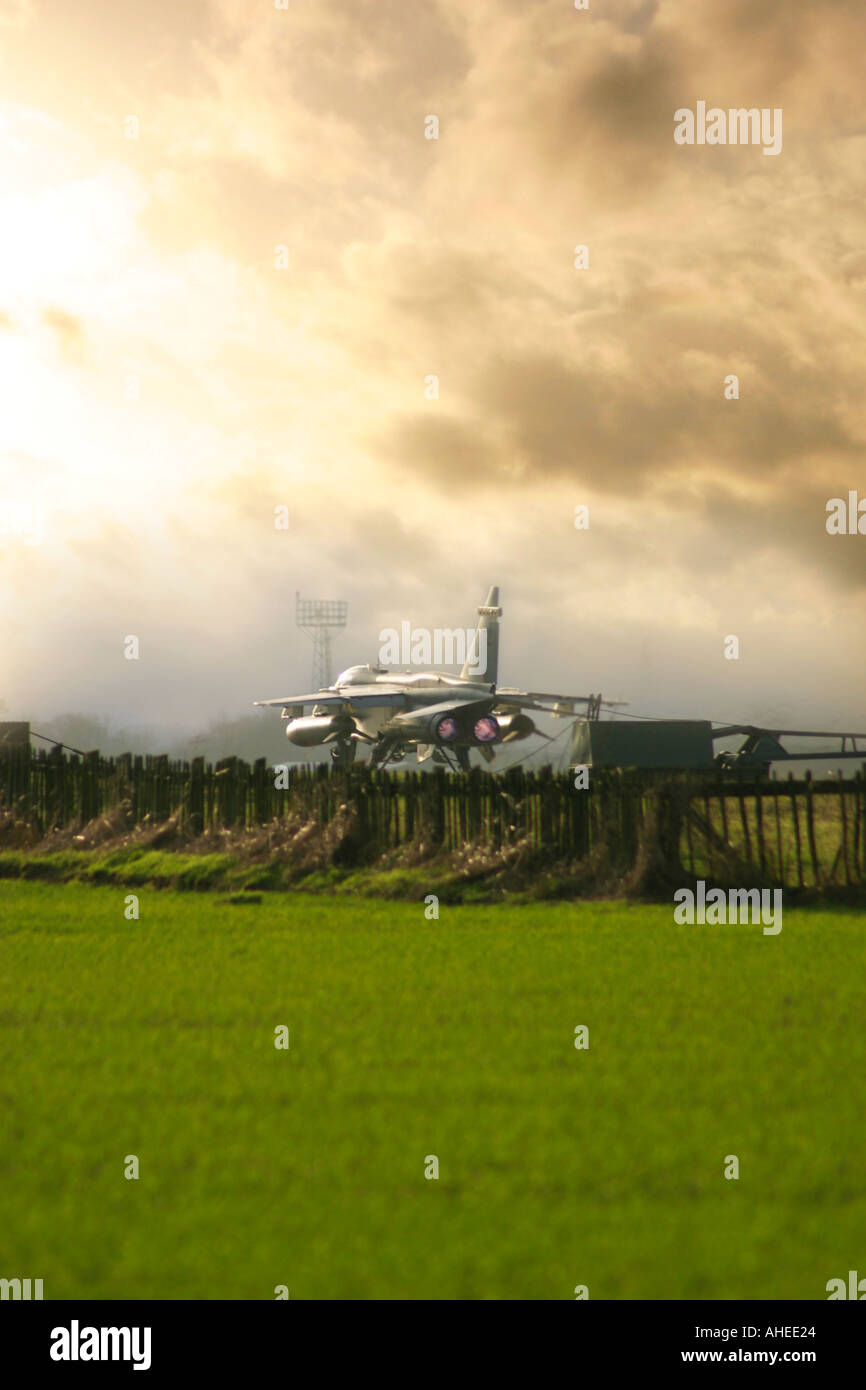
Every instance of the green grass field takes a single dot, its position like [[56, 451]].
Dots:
[[558, 1167]]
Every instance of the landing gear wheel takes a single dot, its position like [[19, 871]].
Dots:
[[343, 754]]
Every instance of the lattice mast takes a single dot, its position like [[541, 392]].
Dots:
[[319, 618]]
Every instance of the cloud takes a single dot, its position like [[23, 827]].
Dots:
[[68, 332], [454, 257], [16, 14]]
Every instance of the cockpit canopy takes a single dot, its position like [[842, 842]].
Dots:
[[360, 675]]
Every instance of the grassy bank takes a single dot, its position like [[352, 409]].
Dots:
[[411, 1038]]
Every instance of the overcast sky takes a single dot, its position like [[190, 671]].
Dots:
[[165, 386]]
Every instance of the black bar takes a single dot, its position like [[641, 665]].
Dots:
[[219, 1339]]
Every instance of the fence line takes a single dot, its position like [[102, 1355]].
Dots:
[[803, 834]]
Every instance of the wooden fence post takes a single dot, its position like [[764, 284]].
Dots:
[[810, 825]]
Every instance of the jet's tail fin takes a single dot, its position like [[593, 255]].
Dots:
[[482, 658]]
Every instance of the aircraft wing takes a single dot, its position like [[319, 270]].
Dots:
[[350, 695], [728, 729], [561, 705]]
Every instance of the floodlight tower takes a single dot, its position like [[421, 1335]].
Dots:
[[318, 618]]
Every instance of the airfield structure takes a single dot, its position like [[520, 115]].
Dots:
[[687, 745], [14, 736], [319, 618]]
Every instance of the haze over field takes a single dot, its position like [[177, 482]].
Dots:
[[164, 386]]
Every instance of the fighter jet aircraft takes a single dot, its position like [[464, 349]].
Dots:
[[435, 713]]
